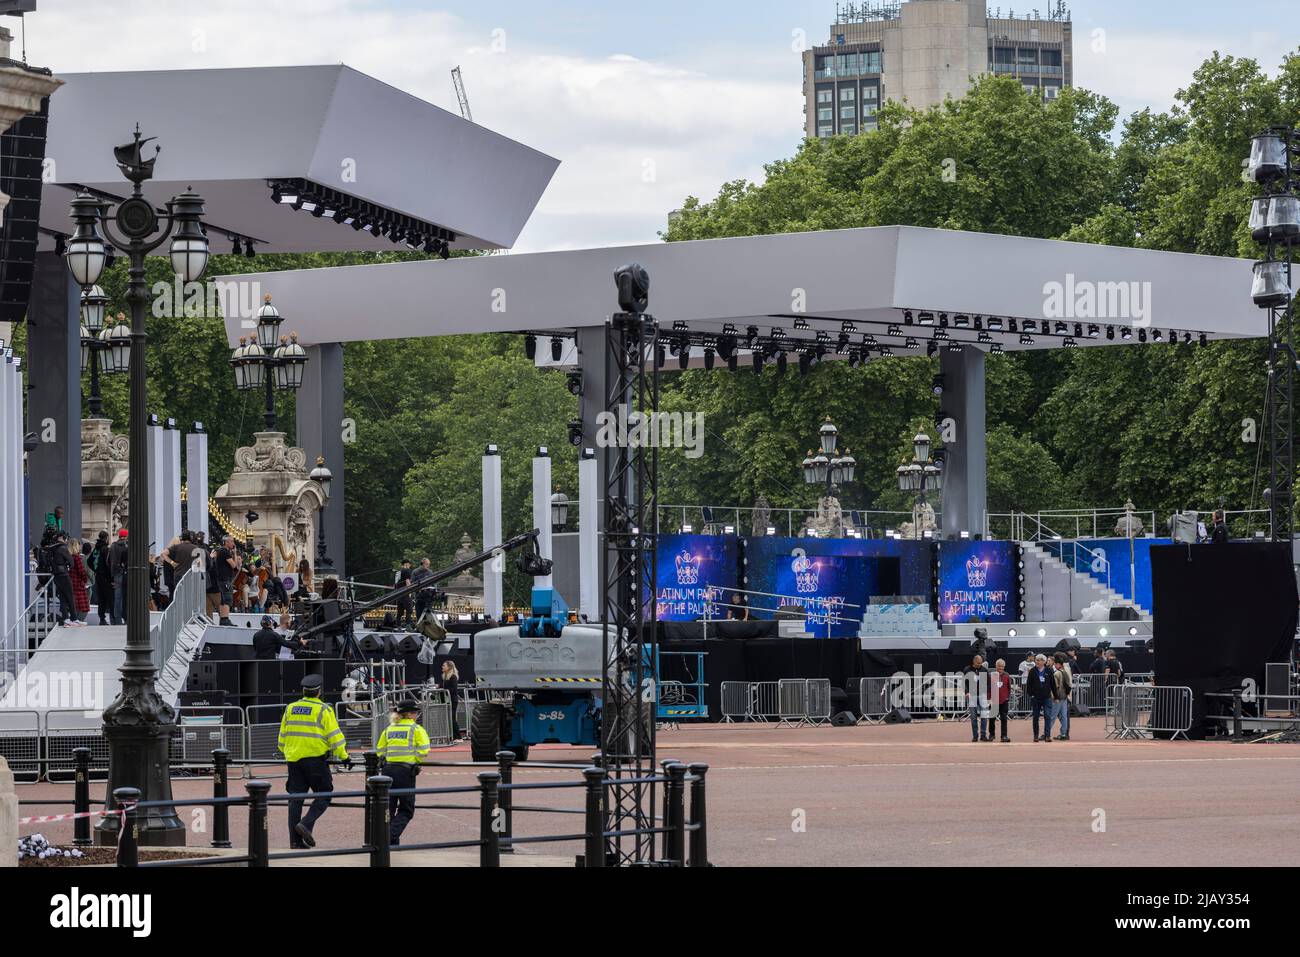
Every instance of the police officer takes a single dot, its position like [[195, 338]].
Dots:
[[268, 642], [402, 746], [309, 732]]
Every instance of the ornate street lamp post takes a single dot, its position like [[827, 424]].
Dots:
[[322, 476], [269, 362], [105, 349], [828, 467], [920, 476], [138, 725]]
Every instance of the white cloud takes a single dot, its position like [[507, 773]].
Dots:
[[635, 137], [1138, 70]]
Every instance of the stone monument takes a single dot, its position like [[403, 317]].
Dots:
[[271, 479], [104, 457]]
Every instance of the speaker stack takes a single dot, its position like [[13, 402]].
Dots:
[[22, 160]]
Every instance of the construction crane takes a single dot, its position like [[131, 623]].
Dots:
[[458, 82]]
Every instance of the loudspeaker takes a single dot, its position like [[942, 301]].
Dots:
[[1124, 613], [840, 701], [899, 716], [372, 644], [402, 645], [22, 161], [844, 719]]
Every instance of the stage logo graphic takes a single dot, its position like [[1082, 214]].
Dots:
[[977, 573], [805, 572], [688, 568]]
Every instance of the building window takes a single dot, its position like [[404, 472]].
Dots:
[[848, 129], [1051, 92], [826, 95], [848, 93], [825, 114], [848, 113], [1031, 88], [825, 131], [870, 110]]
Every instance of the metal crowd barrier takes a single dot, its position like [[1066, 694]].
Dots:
[[202, 730], [1143, 711], [20, 745], [789, 702]]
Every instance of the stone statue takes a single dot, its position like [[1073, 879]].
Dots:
[[761, 516]]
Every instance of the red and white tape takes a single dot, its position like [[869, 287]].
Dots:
[[52, 818]]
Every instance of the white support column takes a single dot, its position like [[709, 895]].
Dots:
[[12, 560], [542, 510], [493, 602], [171, 484], [196, 479], [588, 536], [157, 493]]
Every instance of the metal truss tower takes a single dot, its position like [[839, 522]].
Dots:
[[627, 602]]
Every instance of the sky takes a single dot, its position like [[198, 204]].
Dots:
[[643, 103]]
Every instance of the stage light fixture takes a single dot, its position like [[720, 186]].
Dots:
[[954, 348], [937, 385], [997, 349], [684, 357], [1142, 335], [732, 362], [801, 325], [530, 346], [1030, 325], [1156, 335], [1026, 340], [758, 361], [1110, 333], [708, 358], [1070, 343], [925, 319], [908, 318], [1126, 334], [680, 326], [1011, 325], [573, 381], [892, 331], [805, 363], [235, 249], [931, 349], [943, 320], [249, 251], [1094, 331], [557, 348], [886, 353], [941, 335], [843, 342], [751, 336], [995, 323], [985, 338], [781, 363], [962, 322], [575, 432], [911, 343], [1205, 340]]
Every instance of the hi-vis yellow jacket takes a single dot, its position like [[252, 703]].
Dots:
[[404, 742], [310, 730]]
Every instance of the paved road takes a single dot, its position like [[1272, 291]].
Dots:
[[917, 794]]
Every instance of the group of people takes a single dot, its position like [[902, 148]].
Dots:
[[1046, 682], [409, 611], [310, 736], [81, 574]]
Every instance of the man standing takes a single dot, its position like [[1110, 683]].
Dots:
[[309, 732], [1062, 684], [268, 642], [99, 564], [402, 746], [404, 603], [118, 558], [60, 563], [1038, 685], [976, 680], [228, 562], [1000, 693], [424, 597]]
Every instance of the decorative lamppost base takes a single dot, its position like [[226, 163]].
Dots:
[[140, 760]]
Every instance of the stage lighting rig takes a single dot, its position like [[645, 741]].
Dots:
[[573, 381]]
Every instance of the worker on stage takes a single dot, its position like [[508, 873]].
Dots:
[[309, 732], [402, 746]]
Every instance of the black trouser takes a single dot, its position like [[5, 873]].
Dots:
[[104, 596], [1003, 710], [423, 603], [308, 774], [404, 609], [1040, 707], [67, 605], [401, 808]]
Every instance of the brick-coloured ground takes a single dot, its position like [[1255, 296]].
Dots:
[[918, 794]]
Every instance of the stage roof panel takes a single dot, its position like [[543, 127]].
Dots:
[[870, 277], [228, 132]]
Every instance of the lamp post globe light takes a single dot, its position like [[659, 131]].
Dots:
[[828, 467], [138, 725], [920, 477], [96, 343], [559, 511], [322, 476], [271, 362]]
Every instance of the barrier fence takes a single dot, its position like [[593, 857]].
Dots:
[[44, 746], [791, 702], [1145, 711], [682, 831]]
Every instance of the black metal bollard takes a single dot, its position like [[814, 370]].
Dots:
[[490, 845], [128, 846], [595, 853], [699, 818], [505, 763], [675, 813], [1236, 716], [220, 790], [377, 797], [371, 759], [81, 797], [259, 837]]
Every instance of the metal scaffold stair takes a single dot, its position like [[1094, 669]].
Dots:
[[174, 672]]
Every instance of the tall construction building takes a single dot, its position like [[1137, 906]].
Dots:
[[923, 51]]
